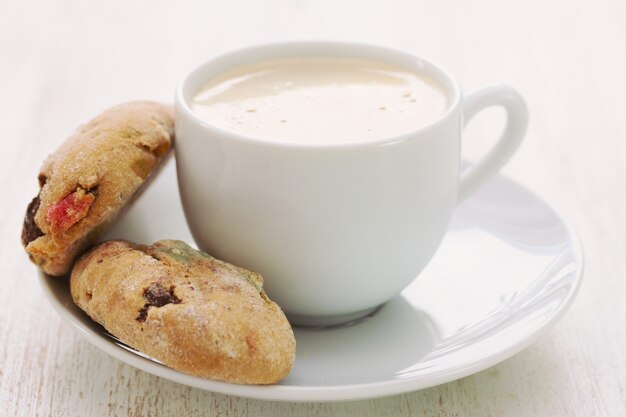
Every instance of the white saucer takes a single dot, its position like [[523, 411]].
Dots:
[[507, 270]]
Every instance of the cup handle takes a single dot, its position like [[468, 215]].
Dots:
[[507, 144]]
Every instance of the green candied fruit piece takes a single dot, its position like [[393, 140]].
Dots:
[[181, 252], [249, 276], [178, 250]]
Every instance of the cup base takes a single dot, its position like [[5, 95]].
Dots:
[[337, 320]]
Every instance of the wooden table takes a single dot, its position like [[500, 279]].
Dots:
[[63, 62]]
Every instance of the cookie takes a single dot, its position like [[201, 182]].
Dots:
[[194, 313], [86, 182]]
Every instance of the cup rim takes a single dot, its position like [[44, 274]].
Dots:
[[443, 76]]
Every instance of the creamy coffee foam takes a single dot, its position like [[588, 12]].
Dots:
[[320, 100]]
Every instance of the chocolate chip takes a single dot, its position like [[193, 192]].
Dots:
[[30, 230], [143, 314], [156, 296], [93, 190]]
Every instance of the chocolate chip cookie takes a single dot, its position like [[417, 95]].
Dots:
[[86, 182], [194, 313]]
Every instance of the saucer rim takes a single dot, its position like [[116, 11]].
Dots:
[[348, 392]]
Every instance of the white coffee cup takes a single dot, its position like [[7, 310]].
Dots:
[[336, 230]]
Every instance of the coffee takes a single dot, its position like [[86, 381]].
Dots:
[[320, 100]]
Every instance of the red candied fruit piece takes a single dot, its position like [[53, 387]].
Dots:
[[70, 210]]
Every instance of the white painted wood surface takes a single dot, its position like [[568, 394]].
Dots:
[[62, 62]]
